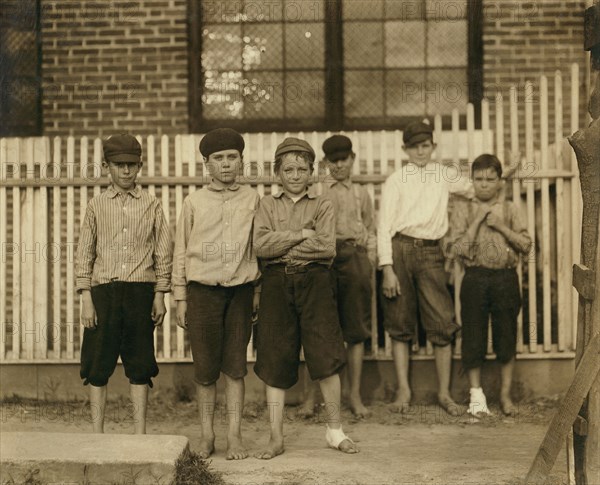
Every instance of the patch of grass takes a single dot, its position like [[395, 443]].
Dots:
[[190, 469]]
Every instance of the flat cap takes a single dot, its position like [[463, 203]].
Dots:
[[416, 132], [337, 147], [291, 144], [221, 139], [122, 148]]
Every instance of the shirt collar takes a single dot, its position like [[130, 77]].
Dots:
[[136, 191], [346, 183], [306, 194], [215, 188]]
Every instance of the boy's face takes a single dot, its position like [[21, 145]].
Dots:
[[294, 174], [224, 166], [486, 184], [420, 153], [123, 174], [341, 169]]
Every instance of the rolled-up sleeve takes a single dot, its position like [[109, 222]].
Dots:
[[86, 251], [182, 234]]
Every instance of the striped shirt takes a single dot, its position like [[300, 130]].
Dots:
[[278, 230], [124, 237], [213, 243]]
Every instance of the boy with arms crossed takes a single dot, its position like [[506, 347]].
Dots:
[[353, 264], [213, 283], [294, 236], [123, 270]]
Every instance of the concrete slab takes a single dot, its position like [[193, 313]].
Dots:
[[82, 458]]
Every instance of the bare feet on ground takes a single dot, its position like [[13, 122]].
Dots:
[[448, 404], [402, 402], [348, 446], [507, 406], [307, 409], [357, 407], [273, 449], [207, 446], [235, 448]]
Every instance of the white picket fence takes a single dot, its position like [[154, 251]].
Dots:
[[45, 187]]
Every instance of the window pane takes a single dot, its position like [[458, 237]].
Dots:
[[221, 11], [405, 93], [222, 95], [263, 46], [221, 47], [405, 11], [304, 94], [263, 95], [405, 44], [446, 10], [446, 89], [363, 44], [261, 11], [304, 11], [304, 45], [447, 43], [363, 92], [362, 9]]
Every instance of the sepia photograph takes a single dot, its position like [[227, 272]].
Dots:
[[299, 242]]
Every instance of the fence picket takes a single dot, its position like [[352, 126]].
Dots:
[[164, 193], [57, 334], [576, 200], [70, 207], [531, 276], [3, 249], [40, 220], [545, 242]]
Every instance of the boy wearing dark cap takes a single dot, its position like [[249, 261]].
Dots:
[[294, 236], [213, 283], [123, 269], [488, 234], [353, 265]]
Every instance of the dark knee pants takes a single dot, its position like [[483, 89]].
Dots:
[[489, 292], [351, 274], [124, 328], [219, 324], [297, 310], [424, 295]]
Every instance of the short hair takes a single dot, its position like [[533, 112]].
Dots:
[[485, 161], [307, 157]]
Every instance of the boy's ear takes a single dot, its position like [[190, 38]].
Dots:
[[205, 159]]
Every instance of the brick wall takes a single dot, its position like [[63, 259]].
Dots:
[[522, 41], [114, 66]]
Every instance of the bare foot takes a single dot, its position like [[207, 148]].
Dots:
[[273, 449], [307, 409], [348, 446], [207, 447], [402, 402], [507, 406], [235, 448], [358, 408], [448, 404]]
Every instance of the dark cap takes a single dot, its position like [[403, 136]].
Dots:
[[221, 139], [417, 132], [122, 148], [291, 144], [337, 147]]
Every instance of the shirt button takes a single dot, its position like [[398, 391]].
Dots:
[[124, 247], [123, 266], [124, 229]]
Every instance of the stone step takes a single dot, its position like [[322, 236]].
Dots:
[[89, 459]]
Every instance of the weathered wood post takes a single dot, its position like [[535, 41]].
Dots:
[[581, 405]]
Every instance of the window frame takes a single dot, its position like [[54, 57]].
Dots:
[[334, 80]]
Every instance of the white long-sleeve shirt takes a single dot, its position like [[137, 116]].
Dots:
[[414, 202]]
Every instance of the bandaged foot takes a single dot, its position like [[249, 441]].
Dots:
[[337, 439], [478, 402]]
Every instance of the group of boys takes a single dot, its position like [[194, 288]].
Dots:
[[305, 263]]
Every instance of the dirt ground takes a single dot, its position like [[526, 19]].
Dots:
[[425, 447]]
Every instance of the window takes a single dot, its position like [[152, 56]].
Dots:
[[267, 65], [20, 78]]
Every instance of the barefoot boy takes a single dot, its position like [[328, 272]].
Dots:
[[488, 234], [123, 270], [213, 275], [353, 264], [294, 236], [413, 219]]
